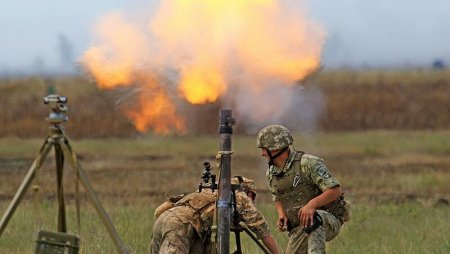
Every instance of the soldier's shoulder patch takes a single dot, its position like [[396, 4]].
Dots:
[[323, 172]]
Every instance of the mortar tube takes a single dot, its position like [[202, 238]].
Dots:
[[224, 200]]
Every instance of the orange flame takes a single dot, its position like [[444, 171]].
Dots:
[[201, 84], [157, 112], [202, 47], [259, 36], [113, 61]]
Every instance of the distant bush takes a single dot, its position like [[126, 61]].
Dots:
[[438, 64]]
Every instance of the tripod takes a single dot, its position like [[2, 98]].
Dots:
[[57, 139]]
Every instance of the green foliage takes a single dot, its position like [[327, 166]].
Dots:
[[387, 228], [132, 222]]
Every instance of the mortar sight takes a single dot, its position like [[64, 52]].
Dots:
[[207, 173], [208, 179], [57, 108]]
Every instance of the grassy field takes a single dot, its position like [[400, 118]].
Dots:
[[385, 228], [396, 180]]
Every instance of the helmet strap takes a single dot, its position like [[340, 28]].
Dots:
[[273, 157]]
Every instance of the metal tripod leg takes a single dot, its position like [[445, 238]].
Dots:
[[71, 156], [249, 233], [59, 157], [238, 242], [26, 182]]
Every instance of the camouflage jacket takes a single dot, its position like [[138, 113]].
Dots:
[[198, 209], [303, 178]]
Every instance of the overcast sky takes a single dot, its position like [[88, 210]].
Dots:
[[361, 33]]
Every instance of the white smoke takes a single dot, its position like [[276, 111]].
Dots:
[[296, 107], [261, 65]]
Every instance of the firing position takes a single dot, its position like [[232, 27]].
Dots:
[[307, 197], [183, 224]]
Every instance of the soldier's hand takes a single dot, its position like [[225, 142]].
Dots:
[[282, 222], [306, 215]]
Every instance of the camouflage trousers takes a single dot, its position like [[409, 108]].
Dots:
[[173, 235], [314, 243]]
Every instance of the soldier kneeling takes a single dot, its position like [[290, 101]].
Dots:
[[183, 225]]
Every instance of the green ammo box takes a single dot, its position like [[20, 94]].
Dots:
[[56, 243]]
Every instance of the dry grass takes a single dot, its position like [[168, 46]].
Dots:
[[385, 99], [396, 180], [414, 99], [372, 165]]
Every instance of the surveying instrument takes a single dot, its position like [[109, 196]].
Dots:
[[60, 242]]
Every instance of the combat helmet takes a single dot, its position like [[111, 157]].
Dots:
[[274, 137]]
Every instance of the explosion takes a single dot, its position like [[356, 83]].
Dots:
[[201, 51]]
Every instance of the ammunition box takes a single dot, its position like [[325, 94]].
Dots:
[[56, 243]]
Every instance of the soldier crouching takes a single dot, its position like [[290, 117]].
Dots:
[[184, 225], [307, 197]]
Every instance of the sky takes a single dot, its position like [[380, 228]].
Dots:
[[384, 32], [360, 33]]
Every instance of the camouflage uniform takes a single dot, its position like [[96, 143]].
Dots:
[[173, 233], [303, 178], [185, 228]]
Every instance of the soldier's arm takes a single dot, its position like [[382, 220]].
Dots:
[[316, 169], [162, 208], [270, 244], [255, 221], [325, 198], [306, 213], [282, 217], [330, 187], [251, 216]]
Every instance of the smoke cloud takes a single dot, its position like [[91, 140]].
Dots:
[[249, 56]]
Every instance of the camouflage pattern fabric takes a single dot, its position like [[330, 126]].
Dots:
[[162, 208], [251, 216], [200, 203], [184, 227], [314, 243], [303, 178], [274, 137], [246, 186], [173, 234]]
